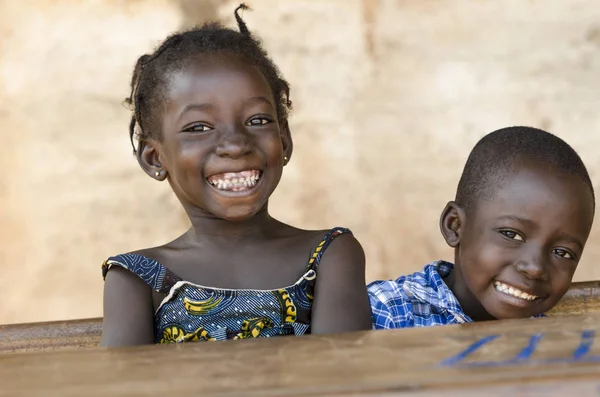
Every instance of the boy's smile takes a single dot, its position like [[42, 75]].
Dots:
[[515, 292], [517, 251]]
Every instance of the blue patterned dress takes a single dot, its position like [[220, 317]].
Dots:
[[192, 312]]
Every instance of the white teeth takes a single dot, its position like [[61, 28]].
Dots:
[[235, 181], [507, 289]]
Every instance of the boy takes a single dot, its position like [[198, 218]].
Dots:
[[522, 215]]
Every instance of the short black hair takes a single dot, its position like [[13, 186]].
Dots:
[[499, 153], [151, 72]]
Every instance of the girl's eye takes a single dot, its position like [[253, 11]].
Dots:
[[511, 235], [199, 128], [563, 253], [258, 121]]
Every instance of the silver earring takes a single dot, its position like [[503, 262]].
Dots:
[[157, 173], [285, 158]]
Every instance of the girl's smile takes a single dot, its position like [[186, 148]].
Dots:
[[242, 183]]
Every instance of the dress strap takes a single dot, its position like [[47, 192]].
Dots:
[[315, 257], [152, 272]]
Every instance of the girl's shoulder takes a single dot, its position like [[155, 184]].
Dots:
[[327, 236], [320, 241], [153, 257], [147, 257], [318, 235], [145, 264]]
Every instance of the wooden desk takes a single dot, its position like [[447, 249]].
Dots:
[[582, 298], [554, 356], [53, 335]]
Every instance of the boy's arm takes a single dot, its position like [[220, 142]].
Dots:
[[381, 310], [341, 303], [128, 310]]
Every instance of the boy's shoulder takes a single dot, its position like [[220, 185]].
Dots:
[[418, 299], [408, 286]]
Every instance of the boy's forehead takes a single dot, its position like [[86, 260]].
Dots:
[[530, 180], [538, 192]]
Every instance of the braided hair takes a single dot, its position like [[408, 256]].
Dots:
[[150, 78]]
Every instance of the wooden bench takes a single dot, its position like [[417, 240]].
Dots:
[[582, 298]]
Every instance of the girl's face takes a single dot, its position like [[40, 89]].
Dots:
[[222, 145]]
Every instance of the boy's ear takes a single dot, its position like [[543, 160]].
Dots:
[[286, 141], [452, 223], [149, 158]]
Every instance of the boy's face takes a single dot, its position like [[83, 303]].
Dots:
[[516, 253]]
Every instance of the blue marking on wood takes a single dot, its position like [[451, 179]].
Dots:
[[468, 351], [528, 350], [524, 356], [587, 340]]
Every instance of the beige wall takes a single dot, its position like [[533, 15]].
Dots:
[[389, 98]]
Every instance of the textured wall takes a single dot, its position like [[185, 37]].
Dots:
[[389, 98]]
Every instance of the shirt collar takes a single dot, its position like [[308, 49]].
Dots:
[[428, 287]]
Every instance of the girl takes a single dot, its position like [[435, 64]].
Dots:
[[210, 111]]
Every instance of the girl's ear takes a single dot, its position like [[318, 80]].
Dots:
[[452, 223], [149, 158], [287, 143]]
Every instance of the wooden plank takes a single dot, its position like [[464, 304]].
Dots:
[[552, 355], [582, 298], [50, 335]]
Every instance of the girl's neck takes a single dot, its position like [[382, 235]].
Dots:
[[208, 227]]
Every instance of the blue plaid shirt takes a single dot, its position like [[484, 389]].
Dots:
[[421, 299]]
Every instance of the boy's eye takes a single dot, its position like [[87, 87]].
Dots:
[[563, 253], [197, 128], [258, 121], [511, 235]]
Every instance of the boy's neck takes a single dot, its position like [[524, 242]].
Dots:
[[468, 302]]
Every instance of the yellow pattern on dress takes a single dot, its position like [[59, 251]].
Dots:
[[252, 328], [288, 304], [176, 334], [200, 308]]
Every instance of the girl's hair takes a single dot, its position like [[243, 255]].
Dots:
[[151, 73]]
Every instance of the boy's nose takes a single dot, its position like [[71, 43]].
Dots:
[[532, 266]]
